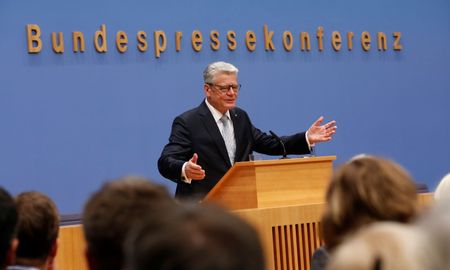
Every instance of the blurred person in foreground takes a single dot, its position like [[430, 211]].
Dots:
[[112, 210], [8, 224], [364, 190], [425, 244], [37, 232], [195, 237]]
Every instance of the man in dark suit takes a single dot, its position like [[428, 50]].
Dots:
[[207, 140]]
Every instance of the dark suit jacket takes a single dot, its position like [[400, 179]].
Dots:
[[195, 131]]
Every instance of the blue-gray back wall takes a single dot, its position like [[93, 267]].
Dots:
[[69, 122]]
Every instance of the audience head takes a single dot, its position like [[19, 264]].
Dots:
[[424, 244], [37, 230], [195, 237], [112, 211], [8, 223], [364, 190], [443, 188]]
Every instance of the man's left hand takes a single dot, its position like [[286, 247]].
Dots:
[[321, 133]]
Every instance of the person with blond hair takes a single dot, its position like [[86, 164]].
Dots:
[[364, 190]]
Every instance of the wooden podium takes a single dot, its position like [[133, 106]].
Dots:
[[272, 183], [284, 200]]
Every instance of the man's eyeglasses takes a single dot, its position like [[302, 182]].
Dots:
[[225, 88]]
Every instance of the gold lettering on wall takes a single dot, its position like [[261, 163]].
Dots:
[[268, 42], [121, 41], [305, 41], [196, 40], [142, 41], [215, 42], [231, 37], [160, 42], [100, 42], [397, 46], [250, 40], [336, 41], [78, 42], [288, 41], [365, 41], [34, 41], [350, 41], [178, 36], [58, 43], [319, 35], [382, 41]]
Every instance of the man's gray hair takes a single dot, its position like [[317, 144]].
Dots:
[[218, 67]]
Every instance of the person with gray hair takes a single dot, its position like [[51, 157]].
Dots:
[[206, 141], [443, 189]]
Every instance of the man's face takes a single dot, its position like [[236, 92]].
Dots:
[[221, 94]]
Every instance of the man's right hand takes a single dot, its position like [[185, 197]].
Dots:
[[193, 170]]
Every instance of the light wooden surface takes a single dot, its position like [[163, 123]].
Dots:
[[70, 255], [272, 183]]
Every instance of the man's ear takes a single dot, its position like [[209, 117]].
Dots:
[[54, 248], [207, 89], [11, 256], [52, 255]]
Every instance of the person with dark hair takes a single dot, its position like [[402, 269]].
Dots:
[[8, 224], [206, 141], [194, 237], [37, 232], [364, 190], [111, 212]]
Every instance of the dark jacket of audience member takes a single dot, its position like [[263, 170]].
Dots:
[[8, 223], [195, 237], [112, 210], [37, 230]]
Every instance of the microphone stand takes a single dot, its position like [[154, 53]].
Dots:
[[281, 142]]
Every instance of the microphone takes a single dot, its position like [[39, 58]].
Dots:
[[281, 142]]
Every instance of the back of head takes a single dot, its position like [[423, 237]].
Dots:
[[217, 68], [8, 222], [195, 237], [112, 210], [384, 246], [365, 190], [38, 226], [443, 189]]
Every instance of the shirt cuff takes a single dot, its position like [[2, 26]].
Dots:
[[310, 146], [183, 174]]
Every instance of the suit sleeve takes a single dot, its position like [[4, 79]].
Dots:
[[264, 143], [176, 152]]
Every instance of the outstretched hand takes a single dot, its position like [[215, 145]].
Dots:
[[193, 170], [321, 133]]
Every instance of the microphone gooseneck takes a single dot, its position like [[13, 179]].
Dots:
[[281, 142]]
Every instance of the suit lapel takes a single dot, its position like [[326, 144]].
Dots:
[[214, 132], [239, 129]]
